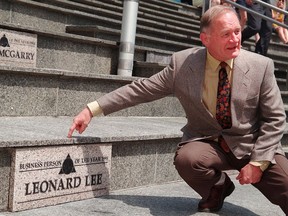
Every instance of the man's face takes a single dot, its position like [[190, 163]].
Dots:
[[223, 38]]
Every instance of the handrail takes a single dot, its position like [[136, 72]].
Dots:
[[205, 7], [261, 15], [271, 6]]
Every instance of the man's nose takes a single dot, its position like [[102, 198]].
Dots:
[[235, 37]]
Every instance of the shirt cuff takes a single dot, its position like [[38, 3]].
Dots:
[[262, 164], [94, 108]]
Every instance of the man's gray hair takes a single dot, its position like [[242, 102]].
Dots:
[[212, 13]]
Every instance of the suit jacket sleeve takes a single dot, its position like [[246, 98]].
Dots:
[[140, 91], [272, 118]]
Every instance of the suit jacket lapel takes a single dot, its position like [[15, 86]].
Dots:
[[240, 85], [197, 73], [197, 70]]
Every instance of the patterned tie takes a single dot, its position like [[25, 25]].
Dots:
[[223, 112]]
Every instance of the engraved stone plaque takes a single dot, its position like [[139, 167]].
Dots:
[[17, 49], [52, 175]]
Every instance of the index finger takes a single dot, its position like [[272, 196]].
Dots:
[[239, 176], [71, 130]]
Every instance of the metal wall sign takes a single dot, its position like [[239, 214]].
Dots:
[[52, 175]]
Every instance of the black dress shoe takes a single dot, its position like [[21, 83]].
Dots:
[[216, 197]]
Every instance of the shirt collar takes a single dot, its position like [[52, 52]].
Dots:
[[214, 63]]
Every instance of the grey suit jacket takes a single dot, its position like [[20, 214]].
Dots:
[[258, 116]]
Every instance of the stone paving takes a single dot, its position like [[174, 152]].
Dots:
[[173, 199]]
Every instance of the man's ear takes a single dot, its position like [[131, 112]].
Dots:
[[204, 38]]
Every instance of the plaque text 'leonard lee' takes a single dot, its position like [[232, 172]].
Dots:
[[63, 183]]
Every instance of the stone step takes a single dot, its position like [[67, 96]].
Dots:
[[150, 68], [163, 40], [276, 45], [72, 52], [159, 9], [47, 92], [63, 51], [277, 52], [54, 92], [109, 22], [57, 18], [172, 7], [280, 73], [282, 83], [104, 16], [67, 60], [141, 153], [150, 36], [146, 69], [175, 32], [284, 95]]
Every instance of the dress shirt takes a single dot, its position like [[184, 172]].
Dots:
[[210, 85]]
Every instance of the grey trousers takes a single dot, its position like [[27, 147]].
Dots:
[[200, 164]]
